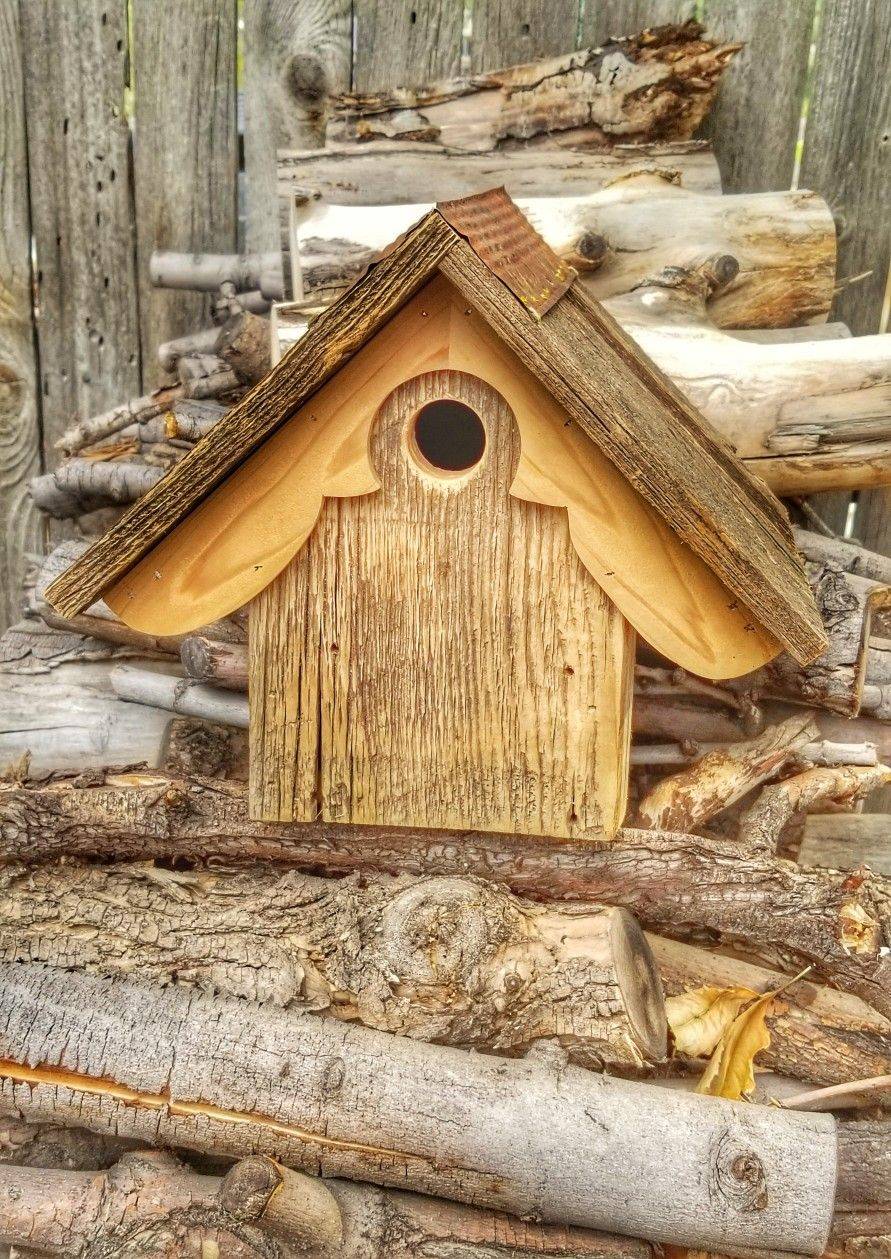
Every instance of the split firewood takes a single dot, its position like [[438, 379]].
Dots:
[[681, 884], [274, 1212], [782, 243], [254, 1079], [684, 801], [452, 960], [817, 1034], [656, 84], [816, 790]]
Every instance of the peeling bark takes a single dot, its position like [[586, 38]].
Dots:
[[675, 883], [685, 800], [535, 1137], [450, 960]]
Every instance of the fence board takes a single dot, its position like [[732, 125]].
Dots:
[[847, 151], [185, 152], [294, 52], [75, 65], [506, 32], [19, 428], [755, 119], [603, 18], [399, 42]]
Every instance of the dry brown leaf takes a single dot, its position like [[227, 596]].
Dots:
[[699, 1018], [731, 1068]]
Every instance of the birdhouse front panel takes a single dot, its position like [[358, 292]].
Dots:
[[436, 654]]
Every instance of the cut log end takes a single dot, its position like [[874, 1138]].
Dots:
[[640, 985]]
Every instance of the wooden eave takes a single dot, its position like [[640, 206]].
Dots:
[[616, 394]]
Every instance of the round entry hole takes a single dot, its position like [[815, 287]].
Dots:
[[449, 436]]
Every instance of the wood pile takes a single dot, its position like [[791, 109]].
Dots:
[[253, 1040]]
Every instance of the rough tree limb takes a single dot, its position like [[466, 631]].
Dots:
[[451, 960], [617, 237], [253, 1079], [673, 883], [817, 1034], [79, 485], [684, 801], [651, 86], [276, 1212], [816, 790]]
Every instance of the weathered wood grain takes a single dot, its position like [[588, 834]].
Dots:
[[438, 656], [509, 32], [846, 843], [755, 119], [185, 152], [401, 43], [82, 210], [19, 412], [601, 20], [295, 53]]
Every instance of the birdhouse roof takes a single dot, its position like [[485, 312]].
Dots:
[[600, 377]]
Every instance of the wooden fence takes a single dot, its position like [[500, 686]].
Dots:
[[119, 133]]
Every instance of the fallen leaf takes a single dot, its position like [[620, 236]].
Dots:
[[699, 1018], [731, 1070]]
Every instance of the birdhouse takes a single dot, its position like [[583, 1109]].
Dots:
[[450, 509]]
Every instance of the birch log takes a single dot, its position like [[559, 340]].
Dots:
[[655, 85], [707, 1173], [680, 883], [619, 236], [451, 960]]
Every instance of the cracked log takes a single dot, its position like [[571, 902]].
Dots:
[[452, 960], [675, 883], [156, 1205], [243, 1079], [655, 85], [782, 244], [683, 801]]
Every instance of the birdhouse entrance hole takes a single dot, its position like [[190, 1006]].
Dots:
[[447, 437]]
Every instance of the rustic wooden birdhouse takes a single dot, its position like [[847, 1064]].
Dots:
[[450, 507]]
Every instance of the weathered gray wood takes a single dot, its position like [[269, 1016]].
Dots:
[[295, 53], [185, 151], [403, 43], [19, 421], [509, 32], [560, 1145], [601, 19], [82, 212], [754, 121], [847, 842]]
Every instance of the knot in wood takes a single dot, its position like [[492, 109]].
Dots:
[[737, 1174], [438, 930]]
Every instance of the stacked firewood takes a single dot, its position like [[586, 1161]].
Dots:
[[253, 1040]]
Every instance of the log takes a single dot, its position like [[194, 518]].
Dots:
[[815, 791], [655, 85], [822, 752], [215, 663], [79, 485], [817, 1034], [275, 1212], [451, 960], [617, 238], [243, 345], [203, 342], [208, 273], [676, 883], [708, 1173], [720, 778], [179, 695]]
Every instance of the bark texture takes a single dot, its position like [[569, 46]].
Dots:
[[708, 1173], [451, 960], [816, 790], [679, 883]]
